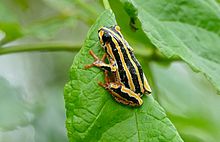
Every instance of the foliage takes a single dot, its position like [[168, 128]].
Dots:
[[92, 115], [176, 33], [176, 41]]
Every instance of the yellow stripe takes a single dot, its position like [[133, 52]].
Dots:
[[136, 69], [109, 50], [146, 85], [132, 94], [133, 63], [100, 35], [128, 91], [130, 82]]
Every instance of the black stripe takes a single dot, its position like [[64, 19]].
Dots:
[[113, 29], [106, 68], [130, 67], [138, 66], [121, 70], [125, 95]]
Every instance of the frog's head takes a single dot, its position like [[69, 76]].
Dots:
[[106, 34]]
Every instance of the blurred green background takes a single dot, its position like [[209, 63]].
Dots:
[[31, 83]]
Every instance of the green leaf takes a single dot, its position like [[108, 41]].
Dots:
[[191, 110], [12, 107], [93, 115], [11, 30], [137, 37], [9, 23], [189, 29]]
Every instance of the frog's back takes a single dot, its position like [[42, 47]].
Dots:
[[129, 71]]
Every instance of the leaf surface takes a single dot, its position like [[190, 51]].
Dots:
[[191, 110], [189, 29], [93, 115], [11, 98]]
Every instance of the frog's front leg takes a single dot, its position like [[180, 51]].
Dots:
[[101, 64], [121, 93]]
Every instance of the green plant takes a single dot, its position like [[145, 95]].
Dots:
[[177, 43]]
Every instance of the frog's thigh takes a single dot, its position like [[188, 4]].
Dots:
[[124, 95]]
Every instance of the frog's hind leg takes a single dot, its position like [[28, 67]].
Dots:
[[122, 94], [123, 102], [147, 86], [107, 80]]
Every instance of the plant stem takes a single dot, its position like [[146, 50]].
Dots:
[[106, 4], [48, 47], [45, 47]]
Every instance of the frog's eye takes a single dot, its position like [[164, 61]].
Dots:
[[106, 37], [117, 28]]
